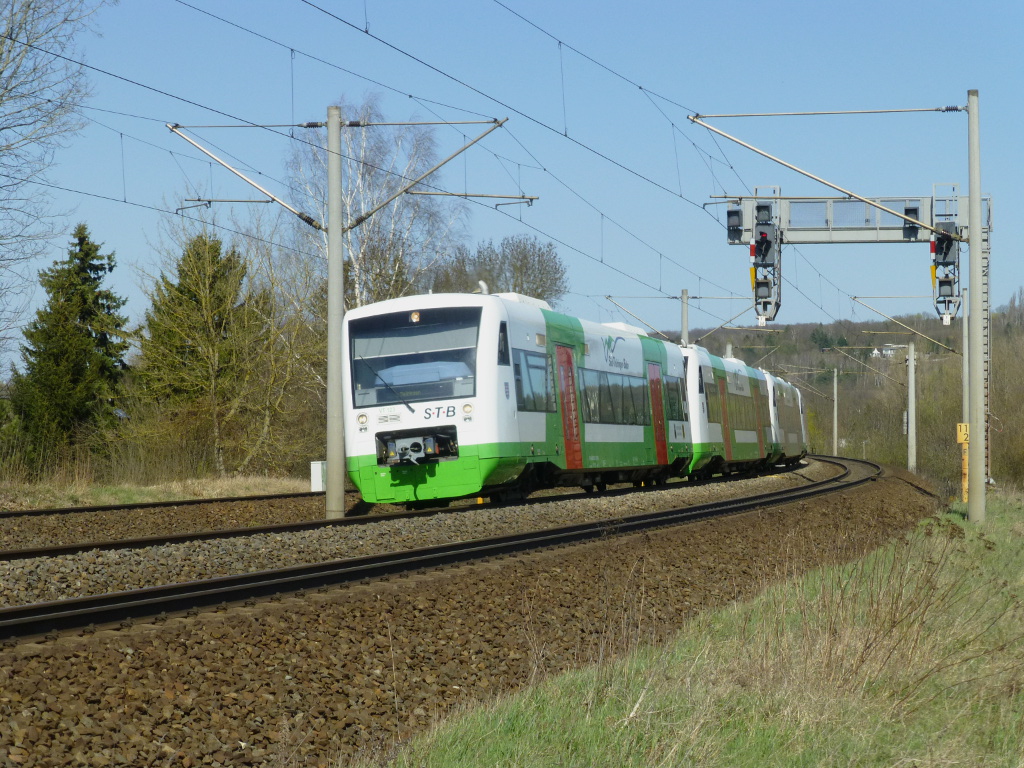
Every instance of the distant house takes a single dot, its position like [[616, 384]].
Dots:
[[890, 350]]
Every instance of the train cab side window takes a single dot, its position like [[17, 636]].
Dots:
[[534, 388], [503, 356]]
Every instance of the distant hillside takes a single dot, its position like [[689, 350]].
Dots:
[[871, 360]]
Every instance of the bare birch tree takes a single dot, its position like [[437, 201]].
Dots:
[[387, 254], [41, 88]]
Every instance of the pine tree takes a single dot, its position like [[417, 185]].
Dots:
[[73, 355]]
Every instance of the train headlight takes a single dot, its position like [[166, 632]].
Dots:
[[467, 408], [362, 418]]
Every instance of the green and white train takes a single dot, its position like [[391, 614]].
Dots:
[[453, 395]]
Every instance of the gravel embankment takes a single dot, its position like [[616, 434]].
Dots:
[[314, 680], [98, 572]]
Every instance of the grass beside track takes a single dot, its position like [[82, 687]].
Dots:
[[913, 656], [19, 496]]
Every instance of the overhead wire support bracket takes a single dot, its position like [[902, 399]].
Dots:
[[364, 216], [198, 204], [513, 199], [209, 200], [638, 319], [175, 128], [363, 124], [348, 124], [723, 325], [861, 362], [904, 325], [841, 112]]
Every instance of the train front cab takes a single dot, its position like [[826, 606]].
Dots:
[[422, 420]]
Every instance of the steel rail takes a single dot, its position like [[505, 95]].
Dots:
[[108, 545], [7, 513], [45, 618]]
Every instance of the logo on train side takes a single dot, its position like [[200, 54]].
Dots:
[[609, 353]]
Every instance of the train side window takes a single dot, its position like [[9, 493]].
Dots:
[[634, 400], [534, 390], [714, 399], [591, 395], [612, 398], [628, 404], [675, 396], [642, 394], [503, 356], [540, 368]]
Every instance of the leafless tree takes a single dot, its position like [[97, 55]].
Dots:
[[289, 402], [520, 264], [41, 87], [387, 254]]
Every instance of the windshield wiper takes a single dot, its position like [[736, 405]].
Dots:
[[390, 388]]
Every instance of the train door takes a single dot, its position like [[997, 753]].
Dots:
[[726, 434], [760, 405], [570, 409], [658, 408]]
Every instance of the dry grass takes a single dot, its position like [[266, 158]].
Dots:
[[901, 631], [63, 492], [912, 656]]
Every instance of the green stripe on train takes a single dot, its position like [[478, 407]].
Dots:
[[475, 467], [487, 465]]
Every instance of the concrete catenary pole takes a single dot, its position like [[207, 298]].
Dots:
[[335, 490], [976, 472], [911, 409]]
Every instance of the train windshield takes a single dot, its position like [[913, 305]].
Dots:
[[405, 357]]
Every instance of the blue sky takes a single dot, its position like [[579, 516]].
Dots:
[[597, 95]]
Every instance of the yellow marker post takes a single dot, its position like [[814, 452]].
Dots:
[[963, 436]]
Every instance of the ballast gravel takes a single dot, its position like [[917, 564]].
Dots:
[[95, 572], [354, 670]]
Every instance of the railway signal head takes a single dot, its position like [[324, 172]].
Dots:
[[946, 251], [762, 250]]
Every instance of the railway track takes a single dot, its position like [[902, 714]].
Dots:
[[59, 511], [41, 619], [106, 545]]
